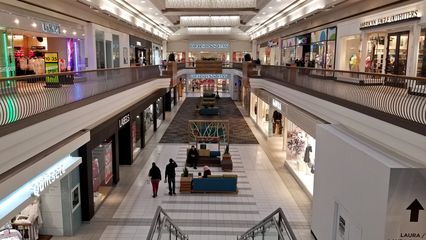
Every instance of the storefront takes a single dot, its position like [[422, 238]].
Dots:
[[290, 129], [288, 51], [140, 51], [269, 52], [157, 52], [170, 99], [47, 204], [107, 48], [316, 49], [219, 51], [388, 42], [239, 56], [117, 141], [24, 42]]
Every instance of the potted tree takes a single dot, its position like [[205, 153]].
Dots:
[[185, 181]]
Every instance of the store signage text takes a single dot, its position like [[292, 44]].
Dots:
[[47, 179], [209, 45], [207, 75], [411, 15], [276, 104], [50, 28], [124, 120]]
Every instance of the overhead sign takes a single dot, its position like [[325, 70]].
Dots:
[[410, 15], [223, 45], [124, 120], [276, 104], [50, 28], [406, 218], [209, 75]]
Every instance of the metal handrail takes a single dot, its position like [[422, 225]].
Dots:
[[25, 96], [282, 225], [160, 218]]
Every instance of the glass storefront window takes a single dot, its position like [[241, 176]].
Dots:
[[253, 109], [102, 171], [159, 108], [351, 58], [116, 50], [374, 61], [148, 122], [136, 136], [421, 65], [100, 49], [300, 152]]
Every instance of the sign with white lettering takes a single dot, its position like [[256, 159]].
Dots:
[[124, 120], [406, 218], [50, 28], [410, 15], [46, 179], [209, 75], [276, 104], [220, 45]]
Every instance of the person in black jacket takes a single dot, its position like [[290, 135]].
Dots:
[[193, 157], [170, 176], [155, 175]]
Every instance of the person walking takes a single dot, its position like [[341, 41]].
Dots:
[[155, 175], [193, 156], [170, 176]]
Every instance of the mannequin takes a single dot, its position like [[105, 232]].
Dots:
[[368, 63]]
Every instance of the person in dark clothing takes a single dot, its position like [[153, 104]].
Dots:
[[193, 156], [155, 175], [207, 172], [170, 176]]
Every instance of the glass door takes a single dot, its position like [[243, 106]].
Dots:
[[108, 48], [396, 59]]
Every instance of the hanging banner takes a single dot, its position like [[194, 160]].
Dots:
[[51, 65]]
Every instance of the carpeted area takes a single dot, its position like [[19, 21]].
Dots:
[[240, 132]]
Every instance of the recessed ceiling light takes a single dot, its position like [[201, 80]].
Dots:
[[34, 25], [64, 31], [258, 17], [16, 21], [150, 8], [156, 13], [264, 13], [143, 1], [270, 7]]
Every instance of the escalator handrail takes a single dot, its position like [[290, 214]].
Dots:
[[267, 219], [160, 211]]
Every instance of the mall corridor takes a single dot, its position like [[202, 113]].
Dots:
[[127, 213]]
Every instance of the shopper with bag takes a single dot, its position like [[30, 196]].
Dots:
[[155, 175], [170, 176]]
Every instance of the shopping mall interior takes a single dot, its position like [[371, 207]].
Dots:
[[212, 119]]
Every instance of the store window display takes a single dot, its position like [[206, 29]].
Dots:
[[136, 136], [102, 171], [421, 65], [374, 60], [149, 122], [301, 155]]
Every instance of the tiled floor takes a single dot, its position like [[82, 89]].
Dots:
[[127, 213]]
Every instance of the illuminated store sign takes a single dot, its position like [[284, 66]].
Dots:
[[46, 179], [276, 104], [410, 15], [209, 45], [50, 28], [209, 75], [36, 185], [124, 120]]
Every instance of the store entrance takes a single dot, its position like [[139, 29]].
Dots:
[[396, 59]]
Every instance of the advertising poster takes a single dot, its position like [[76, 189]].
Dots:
[[108, 162], [51, 65], [406, 216]]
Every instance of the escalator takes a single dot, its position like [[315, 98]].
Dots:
[[275, 226]]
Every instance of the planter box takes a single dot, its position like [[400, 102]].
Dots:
[[185, 184]]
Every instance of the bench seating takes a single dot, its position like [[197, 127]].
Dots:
[[215, 183]]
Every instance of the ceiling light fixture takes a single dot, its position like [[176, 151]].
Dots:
[[209, 30], [34, 25], [16, 21], [210, 4], [209, 21]]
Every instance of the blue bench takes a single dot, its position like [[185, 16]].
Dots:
[[215, 183]]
